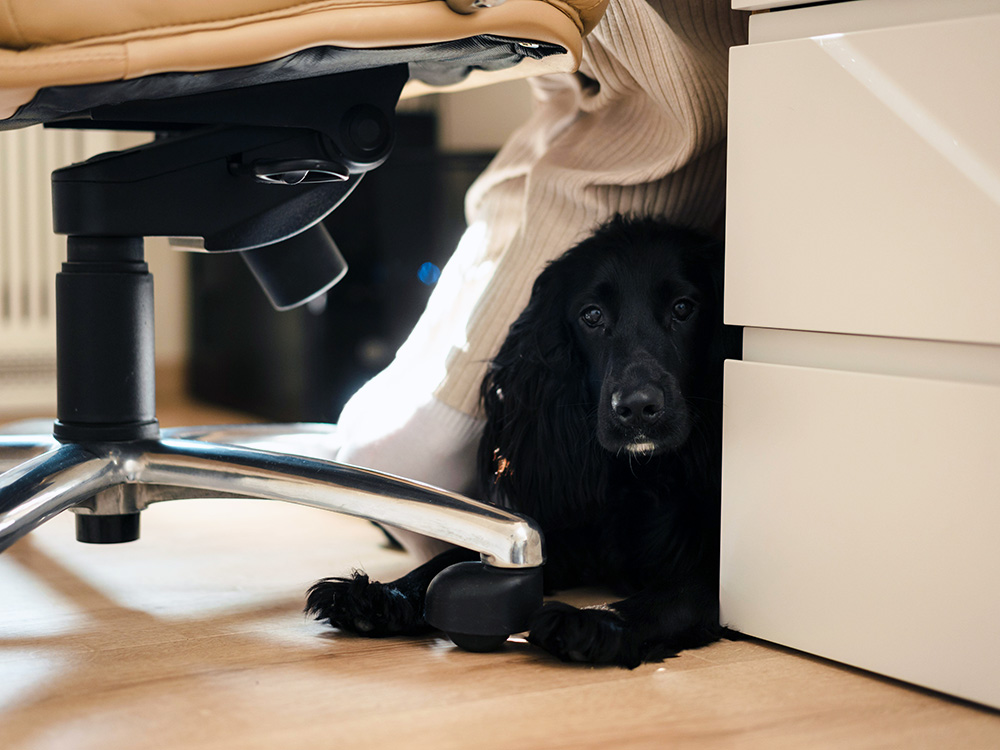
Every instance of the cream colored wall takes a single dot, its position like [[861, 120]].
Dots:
[[481, 119], [169, 269]]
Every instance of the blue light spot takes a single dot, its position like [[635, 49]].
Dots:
[[429, 274]]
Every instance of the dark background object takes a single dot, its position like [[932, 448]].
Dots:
[[303, 364]]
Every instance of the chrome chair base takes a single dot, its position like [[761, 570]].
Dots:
[[44, 477]]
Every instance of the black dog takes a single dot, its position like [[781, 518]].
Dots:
[[603, 425]]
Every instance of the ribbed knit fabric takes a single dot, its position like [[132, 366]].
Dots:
[[641, 130]]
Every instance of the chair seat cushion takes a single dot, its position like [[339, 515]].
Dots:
[[58, 43]]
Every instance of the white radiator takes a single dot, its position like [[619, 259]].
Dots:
[[30, 255]]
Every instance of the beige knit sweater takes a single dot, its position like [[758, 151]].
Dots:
[[640, 129]]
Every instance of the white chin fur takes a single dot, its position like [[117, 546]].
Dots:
[[641, 448]]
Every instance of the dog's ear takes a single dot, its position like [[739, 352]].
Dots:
[[540, 337], [536, 405]]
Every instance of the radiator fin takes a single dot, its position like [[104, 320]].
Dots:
[[30, 255]]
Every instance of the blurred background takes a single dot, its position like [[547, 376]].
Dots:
[[218, 339]]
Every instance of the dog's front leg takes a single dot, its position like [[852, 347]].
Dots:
[[649, 626], [359, 605]]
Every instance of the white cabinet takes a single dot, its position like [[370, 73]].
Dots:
[[864, 185], [861, 498], [861, 516]]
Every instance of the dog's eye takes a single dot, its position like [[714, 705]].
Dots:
[[682, 309], [592, 316]]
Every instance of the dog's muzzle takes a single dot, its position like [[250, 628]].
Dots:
[[645, 418]]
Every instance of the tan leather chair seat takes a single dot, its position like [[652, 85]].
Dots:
[[46, 43]]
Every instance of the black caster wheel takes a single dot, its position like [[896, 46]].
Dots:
[[479, 644], [478, 605]]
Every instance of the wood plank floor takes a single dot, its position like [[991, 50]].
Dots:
[[193, 637]]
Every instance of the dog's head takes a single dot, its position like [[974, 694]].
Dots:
[[643, 305], [618, 352]]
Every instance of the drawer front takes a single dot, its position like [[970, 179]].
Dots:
[[861, 516], [864, 182]]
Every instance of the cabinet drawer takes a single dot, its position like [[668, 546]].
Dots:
[[860, 521], [864, 182]]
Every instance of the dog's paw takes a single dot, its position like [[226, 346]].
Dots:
[[369, 608], [594, 636]]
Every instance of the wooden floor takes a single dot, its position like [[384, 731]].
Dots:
[[193, 637]]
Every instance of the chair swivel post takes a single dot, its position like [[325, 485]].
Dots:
[[105, 368], [248, 186]]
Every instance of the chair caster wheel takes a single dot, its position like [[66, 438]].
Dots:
[[478, 605], [479, 644]]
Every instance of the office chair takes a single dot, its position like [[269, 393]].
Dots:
[[268, 113]]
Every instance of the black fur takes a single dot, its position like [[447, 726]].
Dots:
[[373, 609], [603, 424]]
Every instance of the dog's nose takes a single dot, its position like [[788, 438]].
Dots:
[[643, 405]]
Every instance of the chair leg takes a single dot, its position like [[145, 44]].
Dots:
[[44, 486], [174, 468], [503, 539], [18, 447]]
